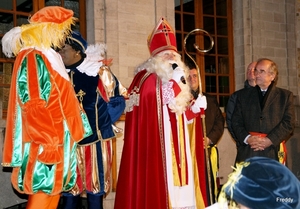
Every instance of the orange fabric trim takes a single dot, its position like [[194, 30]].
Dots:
[[42, 200], [257, 134], [11, 115]]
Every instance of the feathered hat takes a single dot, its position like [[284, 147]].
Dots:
[[47, 28], [262, 183], [162, 38]]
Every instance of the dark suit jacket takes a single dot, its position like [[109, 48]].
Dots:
[[276, 119], [214, 119], [230, 108]]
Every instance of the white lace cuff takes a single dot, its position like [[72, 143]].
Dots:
[[167, 93]]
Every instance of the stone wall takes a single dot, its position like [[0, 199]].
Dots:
[[125, 26]]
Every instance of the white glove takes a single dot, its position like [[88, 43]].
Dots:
[[178, 73], [200, 102]]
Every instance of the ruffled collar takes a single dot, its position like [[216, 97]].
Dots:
[[87, 66]]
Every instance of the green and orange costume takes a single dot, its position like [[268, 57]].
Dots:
[[44, 121]]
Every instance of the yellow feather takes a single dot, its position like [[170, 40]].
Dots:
[[45, 35]]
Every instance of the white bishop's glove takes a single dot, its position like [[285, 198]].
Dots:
[[200, 102], [178, 74]]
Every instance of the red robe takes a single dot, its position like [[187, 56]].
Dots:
[[142, 181]]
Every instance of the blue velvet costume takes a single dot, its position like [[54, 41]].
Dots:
[[97, 90], [94, 105]]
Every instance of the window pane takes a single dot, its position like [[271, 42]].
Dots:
[[73, 5], [177, 5], [207, 44], [224, 84], [189, 23], [209, 25], [189, 6], [177, 22], [210, 84], [222, 26], [6, 22], [6, 4], [179, 41], [223, 65], [53, 3], [222, 45], [210, 66], [221, 7], [24, 5], [208, 7]]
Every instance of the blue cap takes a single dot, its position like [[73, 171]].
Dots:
[[77, 40], [263, 183]]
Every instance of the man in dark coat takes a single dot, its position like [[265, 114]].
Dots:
[[249, 82], [264, 116]]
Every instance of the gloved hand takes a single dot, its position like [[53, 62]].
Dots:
[[178, 73], [200, 102]]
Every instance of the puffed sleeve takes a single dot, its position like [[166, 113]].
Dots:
[[34, 88]]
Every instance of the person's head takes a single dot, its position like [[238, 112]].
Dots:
[[261, 183], [193, 79], [47, 29], [163, 50], [74, 49], [162, 38], [266, 72], [250, 74]]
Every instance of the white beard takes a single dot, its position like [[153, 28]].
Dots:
[[164, 71]]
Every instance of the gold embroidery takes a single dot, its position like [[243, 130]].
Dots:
[[72, 75], [134, 96], [80, 95]]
